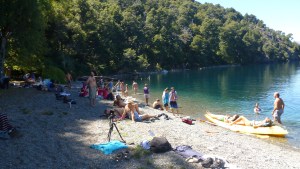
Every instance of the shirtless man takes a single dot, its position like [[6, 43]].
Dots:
[[92, 85], [157, 105], [278, 108]]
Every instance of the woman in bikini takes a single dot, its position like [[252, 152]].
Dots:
[[132, 110], [267, 122], [224, 118]]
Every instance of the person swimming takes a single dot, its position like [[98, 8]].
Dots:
[[257, 109]]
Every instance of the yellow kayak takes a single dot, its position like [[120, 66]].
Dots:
[[272, 131]]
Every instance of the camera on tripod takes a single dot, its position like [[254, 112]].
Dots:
[[111, 114]]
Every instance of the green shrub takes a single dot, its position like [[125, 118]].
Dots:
[[54, 73]]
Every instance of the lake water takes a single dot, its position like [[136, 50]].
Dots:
[[235, 90]]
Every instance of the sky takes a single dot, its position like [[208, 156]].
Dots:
[[283, 15]]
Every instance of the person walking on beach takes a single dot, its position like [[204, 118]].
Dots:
[[146, 94], [92, 85], [135, 87], [165, 98], [173, 100], [278, 108], [69, 80]]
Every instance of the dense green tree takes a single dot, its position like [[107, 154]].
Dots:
[[22, 26], [117, 36]]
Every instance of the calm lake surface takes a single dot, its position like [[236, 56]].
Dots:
[[235, 90]]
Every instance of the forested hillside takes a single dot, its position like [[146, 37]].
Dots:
[[111, 36]]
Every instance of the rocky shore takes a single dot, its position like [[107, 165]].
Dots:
[[57, 136]]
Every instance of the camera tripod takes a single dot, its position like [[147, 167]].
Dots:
[[111, 128]]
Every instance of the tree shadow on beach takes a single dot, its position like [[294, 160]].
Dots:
[[56, 136]]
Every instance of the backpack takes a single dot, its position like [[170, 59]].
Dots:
[[160, 145]]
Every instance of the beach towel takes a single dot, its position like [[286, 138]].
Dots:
[[187, 151], [110, 147]]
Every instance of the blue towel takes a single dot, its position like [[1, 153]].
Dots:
[[108, 148]]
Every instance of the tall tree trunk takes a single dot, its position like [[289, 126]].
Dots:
[[2, 55]]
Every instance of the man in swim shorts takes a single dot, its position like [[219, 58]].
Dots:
[[278, 108], [173, 100]]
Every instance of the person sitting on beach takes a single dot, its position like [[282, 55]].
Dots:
[[257, 109], [267, 122], [133, 112], [116, 111], [119, 101], [83, 91], [224, 118], [157, 105]]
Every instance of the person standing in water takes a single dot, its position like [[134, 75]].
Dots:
[[146, 94], [257, 109], [278, 108], [173, 101], [92, 85], [165, 98], [135, 87]]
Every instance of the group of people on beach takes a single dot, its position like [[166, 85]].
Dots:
[[169, 99]]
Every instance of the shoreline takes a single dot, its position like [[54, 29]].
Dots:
[[56, 136]]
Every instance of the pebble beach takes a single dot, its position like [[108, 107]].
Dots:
[[55, 135]]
